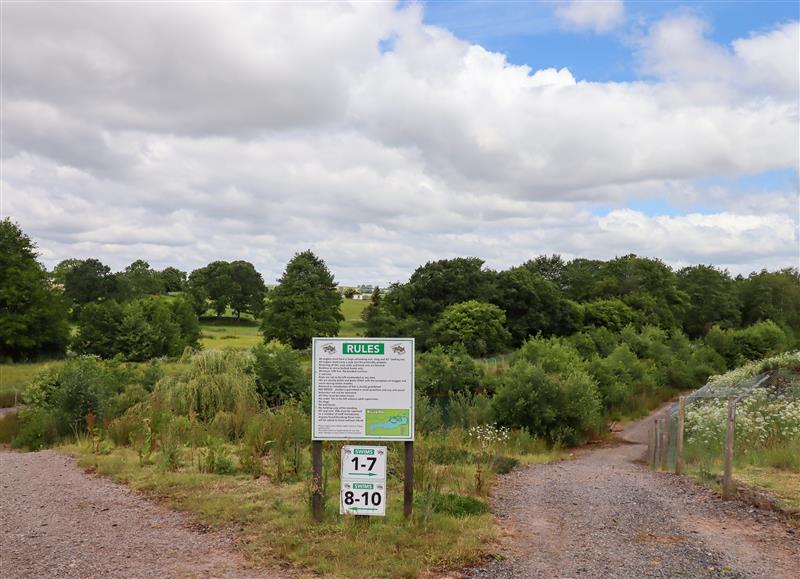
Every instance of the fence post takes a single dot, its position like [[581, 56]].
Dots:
[[408, 480], [316, 479], [651, 445], [665, 440], [729, 437], [679, 435], [657, 457]]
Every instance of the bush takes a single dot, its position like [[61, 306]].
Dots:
[[620, 375], [279, 374], [559, 404], [760, 340], [443, 373], [478, 326], [39, 429], [215, 381]]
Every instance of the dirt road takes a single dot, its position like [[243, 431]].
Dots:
[[603, 515], [57, 521]]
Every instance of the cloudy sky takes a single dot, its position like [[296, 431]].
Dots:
[[385, 135]]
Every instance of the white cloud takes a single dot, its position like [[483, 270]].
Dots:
[[185, 134], [595, 15]]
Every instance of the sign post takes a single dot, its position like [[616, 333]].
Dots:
[[363, 389]]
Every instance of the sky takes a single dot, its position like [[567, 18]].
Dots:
[[385, 135]]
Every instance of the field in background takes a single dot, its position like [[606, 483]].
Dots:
[[353, 325]]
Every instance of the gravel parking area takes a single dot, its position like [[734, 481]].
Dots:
[[57, 521]]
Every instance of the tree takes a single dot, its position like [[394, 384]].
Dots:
[[479, 326], [772, 296], [172, 279], [304, 304], [213, 282], [550, 267], [379, 320], [613, 314], [279, 374], [33, 315], [88, 281], [59, 274], [712, 297], [447, 372], [533, 305], [247, 290], [99, 329], [138, 280]]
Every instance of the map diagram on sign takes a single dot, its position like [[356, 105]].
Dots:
[[387, 422]]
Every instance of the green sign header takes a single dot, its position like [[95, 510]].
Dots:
[[362, 348]]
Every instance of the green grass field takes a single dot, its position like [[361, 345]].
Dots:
[[352, 325], [227, 332]]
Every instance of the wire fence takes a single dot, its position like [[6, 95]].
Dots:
[[703, 427]]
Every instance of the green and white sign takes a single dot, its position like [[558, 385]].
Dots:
[[363, 389], [363, 486]]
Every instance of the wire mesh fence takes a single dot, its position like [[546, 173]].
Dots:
[[737, 420]]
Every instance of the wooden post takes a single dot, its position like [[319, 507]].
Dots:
[[408, 480], [666, 421], [651, 446], [316, 479], [657, 458], [729, 437], [679, 435]]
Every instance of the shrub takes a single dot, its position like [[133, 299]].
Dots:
[[559, 406], [442, 373], [760, 340], [279, 374], [619, 375], [40, 429], [214, 381], [478, 326]]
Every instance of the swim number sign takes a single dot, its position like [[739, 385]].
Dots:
[[363, 389]]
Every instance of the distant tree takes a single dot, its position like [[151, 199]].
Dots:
[[438, 284], [59, 274], [138, 330], [772, 296], [580, 277], [447, 372], [380, 321], [304, 304], [613, 314], [33, 316], [247, 291], [550, 267], [533, 304], [478, 326], [138, 280], [713, 299], [213, 282], [88, 281], [173, 279]]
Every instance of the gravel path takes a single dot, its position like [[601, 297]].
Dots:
[[57, 521], [603, 515]]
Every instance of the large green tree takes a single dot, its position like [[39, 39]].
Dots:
[[772, 296], [247, 290], [211, 283], [33, 315], [713, 299], [304, 304], [138, 280], [478, 326], [88, 281], [173, 279]]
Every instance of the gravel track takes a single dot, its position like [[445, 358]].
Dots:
[[604, 515], [57, 521]]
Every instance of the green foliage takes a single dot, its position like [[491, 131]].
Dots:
[[173, 279], [533, 305], [138, 280], [214, 458], [620, 375], [214, 381], [304, 304], [760, 340], [456, 505], [612, 314], [247, 290], [380, 321], [89, 281], [478, 326], [771, 296], [33, 316], [548, 391], [138, 330], [279, 373], [443, 373], [713, 299], [40, 429]]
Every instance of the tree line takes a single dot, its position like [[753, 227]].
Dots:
[[450, 302]]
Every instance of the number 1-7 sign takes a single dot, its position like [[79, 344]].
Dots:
[[363, 481]]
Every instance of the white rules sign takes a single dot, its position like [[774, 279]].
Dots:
[[363, 389]]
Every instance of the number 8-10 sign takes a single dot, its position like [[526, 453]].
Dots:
[[363, 486]]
